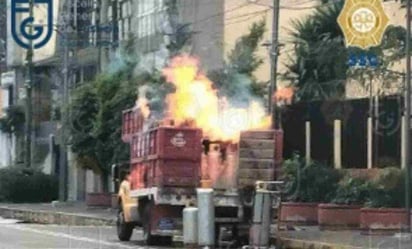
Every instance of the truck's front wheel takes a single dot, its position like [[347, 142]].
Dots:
[[124, 229]]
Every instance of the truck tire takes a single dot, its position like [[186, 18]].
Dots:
[[124, 229]]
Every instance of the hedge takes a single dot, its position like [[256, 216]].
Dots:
[[23, 185]]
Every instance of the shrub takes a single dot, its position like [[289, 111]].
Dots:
[[315, 182], [352, 191], [388, 191], [388, 162], [19, 185]]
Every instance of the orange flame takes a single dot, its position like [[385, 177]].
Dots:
[[196, 100], [284, 95]]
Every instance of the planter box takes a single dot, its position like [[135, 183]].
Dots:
[[338, 217], [99, 199], [299, 213], [377, 220]]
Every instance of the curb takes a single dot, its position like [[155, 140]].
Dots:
[[304, 244], [58, 218]]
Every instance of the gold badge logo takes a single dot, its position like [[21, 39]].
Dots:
[[363, 23]]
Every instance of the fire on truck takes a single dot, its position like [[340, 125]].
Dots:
[[202, 141]]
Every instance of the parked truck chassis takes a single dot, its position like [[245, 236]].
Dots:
[[158, 196]]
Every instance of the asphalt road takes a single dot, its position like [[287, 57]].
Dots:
[[14, 235]]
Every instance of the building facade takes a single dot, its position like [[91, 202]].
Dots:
[[6, 90], [44, 84]]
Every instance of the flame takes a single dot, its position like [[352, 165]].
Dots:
[[284, 95], [196, 100]]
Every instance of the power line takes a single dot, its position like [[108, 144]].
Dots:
[[294, 7], [248, 14], [247, 17], [222, 13]]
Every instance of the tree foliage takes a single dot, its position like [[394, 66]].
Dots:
[[95, 118], [317, 65], [391, 51], [236, 79], [302, 181], [96, 107], [13, 121]]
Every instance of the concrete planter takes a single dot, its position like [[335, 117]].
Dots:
[[299, 213], [383, 220], [99, 199], [338, 217]]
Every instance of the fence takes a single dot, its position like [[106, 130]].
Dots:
[[354, 115]]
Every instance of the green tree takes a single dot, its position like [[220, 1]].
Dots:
[[95, 119], [236, 80], [317, 65], [13, 121]]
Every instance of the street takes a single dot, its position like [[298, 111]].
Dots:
[[14, 235]]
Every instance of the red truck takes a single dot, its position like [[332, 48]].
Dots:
[[168, 163]]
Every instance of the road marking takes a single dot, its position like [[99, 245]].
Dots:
[[67, 236]]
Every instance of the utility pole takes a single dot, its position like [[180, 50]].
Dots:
[[274, 63], [408, 116], [28, 85], [63, 161], [64, 131]]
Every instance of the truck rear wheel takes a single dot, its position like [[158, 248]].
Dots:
[[124, 229]]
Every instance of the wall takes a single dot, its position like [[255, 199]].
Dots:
[[353, 114], [207, 21], [151, 23], [5, 139]]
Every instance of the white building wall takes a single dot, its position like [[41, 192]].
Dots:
[[6, 140]]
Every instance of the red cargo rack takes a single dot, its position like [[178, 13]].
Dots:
[[167, 143], [165, 173], [133, 120]]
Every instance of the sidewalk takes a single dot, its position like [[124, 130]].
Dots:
[[75, 213], [311, 237], [78, 214]]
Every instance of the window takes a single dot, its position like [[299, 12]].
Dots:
[[125, 19], [86, 20], [149, 22], [114, 24]]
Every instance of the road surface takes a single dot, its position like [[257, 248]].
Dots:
[[14, 235]]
